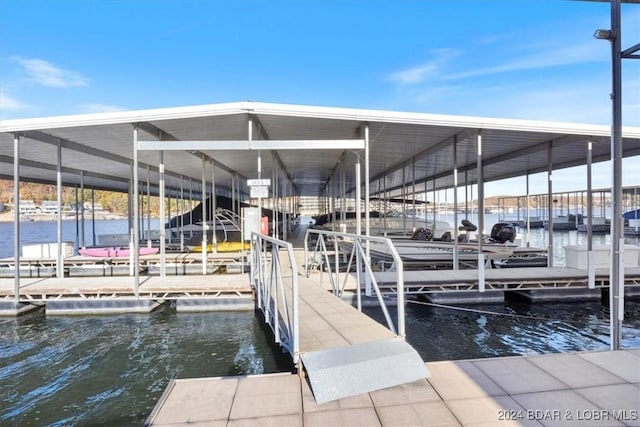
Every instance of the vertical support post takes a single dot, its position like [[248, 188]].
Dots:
[[132, 216], [168, 218], [358, 197], [591, 268], [136, 231], [274, 196], [181, 213], [466, 197], [191, 207], [259, 166], [426, 202], [528, 212], [59, 257], [286, 213], [481, 281], [455, 204], [81, 211], [148, 198], [16, 216], [550, 204], [413, 193], [403, 193], [239, 191], [616, 280], [212, 213], [205, 225], [343, 193], [335, 185], [76, 219], [161, 191], [233, 194], [435, 205], [385, 192], [367, 195], [130, 204], [93, 217], [214, 238]]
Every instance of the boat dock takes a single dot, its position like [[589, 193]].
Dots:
[[180, 263], [502, 279], [110, 280], [81, 295], [571, 389]]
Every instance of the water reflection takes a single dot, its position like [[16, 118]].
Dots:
[[112, 369], [513, 328]]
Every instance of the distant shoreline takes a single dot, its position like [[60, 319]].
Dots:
[[8, 217]]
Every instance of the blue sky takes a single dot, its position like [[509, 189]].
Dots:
[[532, 59]]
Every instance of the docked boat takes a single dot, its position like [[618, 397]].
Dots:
[[392, 225], [228, 233], [422, 250], [632, 223], [565, 223], [598, 225]]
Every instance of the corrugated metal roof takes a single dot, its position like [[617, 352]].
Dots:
[[102, 145]]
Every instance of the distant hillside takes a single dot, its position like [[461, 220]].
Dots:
[[108, 200], [117, 202]]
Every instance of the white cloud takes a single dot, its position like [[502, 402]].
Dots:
[[9, 103], [46, 74], [540, 56], [415, 74], [420, 73], [545, 58]]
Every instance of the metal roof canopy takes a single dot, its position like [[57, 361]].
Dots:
[[404, 147]]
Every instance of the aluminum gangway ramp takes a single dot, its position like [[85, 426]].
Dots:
[[345, 352]]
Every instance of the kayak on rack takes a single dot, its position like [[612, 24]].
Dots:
[[114, 252]]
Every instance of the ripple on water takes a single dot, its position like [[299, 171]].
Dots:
[[112, 369]]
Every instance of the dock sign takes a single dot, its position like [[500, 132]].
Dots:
[[258, 182], [258, 188], [256, 192]]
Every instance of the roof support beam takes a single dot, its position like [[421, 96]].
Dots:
[[74, 146], [445, 143], [357, 134], [64, 169], [166, 137], [284, 144], [265, 136]]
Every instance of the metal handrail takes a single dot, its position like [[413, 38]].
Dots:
[[354, 247], [271, 285]]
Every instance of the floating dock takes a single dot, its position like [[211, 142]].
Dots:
[[532, 283], [222, 291], [85, 266], [104, 295], [585, 388]]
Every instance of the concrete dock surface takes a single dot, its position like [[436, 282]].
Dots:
[[569, 389]]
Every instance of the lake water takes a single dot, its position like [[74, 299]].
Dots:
[[45, 231], [111, 370]]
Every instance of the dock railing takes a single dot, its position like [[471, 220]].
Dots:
[[273, 273], [354, 248]]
